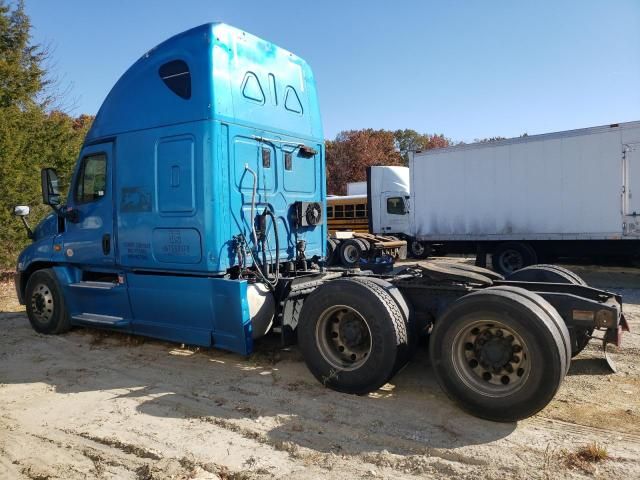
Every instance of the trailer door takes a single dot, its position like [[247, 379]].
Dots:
[[631, 199], [632, 187]]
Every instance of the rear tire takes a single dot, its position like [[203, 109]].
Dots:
[[511, 256], [553, 315], [418, 249], [405, 352], [579, 337], [504, 376], [332, 246], [545, 273], [45, 304], [351, 334], [577, 279], [350, 253]]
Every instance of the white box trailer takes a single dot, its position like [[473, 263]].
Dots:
[[529, 199]]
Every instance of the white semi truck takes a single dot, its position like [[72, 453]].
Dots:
[[524, 200]]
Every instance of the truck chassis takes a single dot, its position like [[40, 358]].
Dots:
[[499, 347], [493, 342]]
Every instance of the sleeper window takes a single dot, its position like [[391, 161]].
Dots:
[[177, 77], [92, 179]]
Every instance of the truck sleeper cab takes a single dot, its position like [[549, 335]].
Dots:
[[196, 214], [202, 131]]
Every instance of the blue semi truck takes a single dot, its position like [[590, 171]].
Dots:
[[196, 214]]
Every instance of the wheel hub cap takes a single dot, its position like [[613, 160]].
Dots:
[[493, 351], [42, 303], [343, 337], [491, 358]]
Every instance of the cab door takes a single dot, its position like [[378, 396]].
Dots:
[[88, 238], [394, 213]]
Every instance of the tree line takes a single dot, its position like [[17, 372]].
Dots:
[[352, 151], [34, 131]]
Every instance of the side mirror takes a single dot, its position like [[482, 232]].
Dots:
[[21, 210], [50, 190]]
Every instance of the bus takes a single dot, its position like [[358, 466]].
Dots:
[[347, 213]]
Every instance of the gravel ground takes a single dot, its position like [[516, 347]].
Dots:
[[91, 404]]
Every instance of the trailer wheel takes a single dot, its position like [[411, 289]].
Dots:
[[498, 354], [350, 253], [45, 304], [511, 256], [418, 249], [351, 334], [552, 273]]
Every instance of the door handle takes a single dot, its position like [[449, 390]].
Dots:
[[106, 244]]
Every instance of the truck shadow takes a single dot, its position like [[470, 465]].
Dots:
[[269, 397], [589, 366]]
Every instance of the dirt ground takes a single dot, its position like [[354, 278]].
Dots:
[[90, 404]]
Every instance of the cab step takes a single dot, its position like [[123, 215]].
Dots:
[[102, 320]]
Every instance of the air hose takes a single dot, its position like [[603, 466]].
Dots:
[[261, 270]]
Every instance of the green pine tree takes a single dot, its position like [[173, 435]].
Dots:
[[32, 135]]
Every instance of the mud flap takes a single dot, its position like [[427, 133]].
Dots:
[[613, 337]]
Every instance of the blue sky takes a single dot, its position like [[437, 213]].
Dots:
[[467, 69]]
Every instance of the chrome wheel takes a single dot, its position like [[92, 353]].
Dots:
[[343, 337], [42, 303], [491, 358]]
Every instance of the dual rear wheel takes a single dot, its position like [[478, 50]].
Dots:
[[354, 335], [501, 353], [580, 337]]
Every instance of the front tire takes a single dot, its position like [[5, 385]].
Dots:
[[352, 335], [498, 355], [45, 304]]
